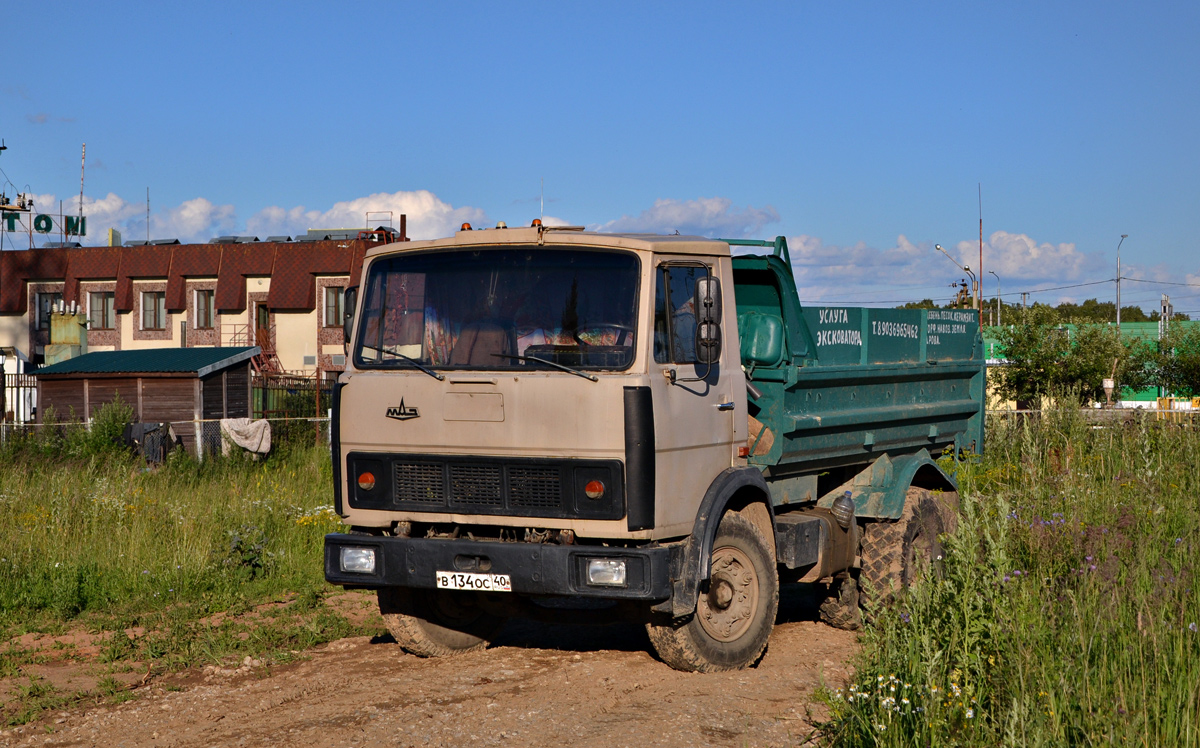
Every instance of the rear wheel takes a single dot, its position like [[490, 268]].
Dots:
[[734, 613], [897, 553], [437, 623]]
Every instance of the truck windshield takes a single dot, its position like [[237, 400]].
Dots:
[[500, 309]]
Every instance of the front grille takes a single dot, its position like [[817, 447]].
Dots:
[[521, 487], [420, 481], [476, 485], [535, 486]]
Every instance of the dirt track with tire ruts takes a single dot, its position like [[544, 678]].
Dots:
[[539, 685]]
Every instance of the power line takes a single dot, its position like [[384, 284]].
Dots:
[[1162, 283]]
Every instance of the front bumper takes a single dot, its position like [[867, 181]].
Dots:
[[533, 568]]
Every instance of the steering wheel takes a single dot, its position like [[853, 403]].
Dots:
[[625, 331]]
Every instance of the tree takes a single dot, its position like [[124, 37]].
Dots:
[[1172, 363], [1046, 359]]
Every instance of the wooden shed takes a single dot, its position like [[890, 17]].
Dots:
[[180, 385]]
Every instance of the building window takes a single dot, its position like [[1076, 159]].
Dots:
[[154, 310], [101, 313], [334, 301], [204, 310], [46, 302]]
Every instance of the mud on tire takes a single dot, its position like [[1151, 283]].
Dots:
[[734, 613], [436, 623], [897, 553]]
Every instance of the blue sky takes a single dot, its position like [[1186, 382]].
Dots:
[[859, 131]]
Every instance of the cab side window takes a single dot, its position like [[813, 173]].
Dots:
[[675, 314]]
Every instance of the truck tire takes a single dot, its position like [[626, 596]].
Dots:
[[734, 614], [896, 553], [436, 623], [841, 608]]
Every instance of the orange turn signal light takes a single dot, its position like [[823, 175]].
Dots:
[[366, 481], [465, 227], [594, 489]]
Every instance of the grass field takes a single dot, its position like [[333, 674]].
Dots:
[[96, 541], [1066, 610]]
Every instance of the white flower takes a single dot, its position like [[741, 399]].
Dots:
[[970, 714]]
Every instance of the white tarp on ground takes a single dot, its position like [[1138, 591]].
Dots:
[[247, 434]]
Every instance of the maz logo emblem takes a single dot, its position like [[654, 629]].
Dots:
[[401, 413]]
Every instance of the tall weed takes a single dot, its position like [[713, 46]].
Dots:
[[1066, 613]]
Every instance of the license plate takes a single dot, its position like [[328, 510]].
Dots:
[[455, 580]]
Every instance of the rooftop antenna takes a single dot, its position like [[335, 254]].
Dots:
[[542, 209], [147, 215]]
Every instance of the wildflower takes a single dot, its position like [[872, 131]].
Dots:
[[145, 571], [1178, 541], [904, 701], [970, 714], [881, 728], [904, 617], [1192, 627]]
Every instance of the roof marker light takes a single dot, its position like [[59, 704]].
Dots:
[[536, 222], [501, 225], [465, 227]]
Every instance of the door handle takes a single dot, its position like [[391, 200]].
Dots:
[[725, 406]]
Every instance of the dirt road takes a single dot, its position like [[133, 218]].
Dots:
[[540, 685]]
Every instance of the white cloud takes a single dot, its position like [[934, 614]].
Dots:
[[428, 216], [705, 216], [1020, 257], [200, 219], [911, 271]]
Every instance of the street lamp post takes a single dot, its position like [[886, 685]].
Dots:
[[1123, 238], [976, 285], [993, 272], [975, 289]]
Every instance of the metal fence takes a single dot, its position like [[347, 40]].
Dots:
[[201, 438], [20, 398], [290, 396]]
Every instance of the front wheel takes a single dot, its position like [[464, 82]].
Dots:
[[734, 614], [436, 623]]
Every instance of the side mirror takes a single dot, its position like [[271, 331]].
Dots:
[[348, 304], [708, 319]]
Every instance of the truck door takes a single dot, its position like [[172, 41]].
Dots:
[[694, 403]]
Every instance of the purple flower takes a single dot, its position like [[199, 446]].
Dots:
[[1178, 541], [904, 617], [1087, 558], [1192, 627]]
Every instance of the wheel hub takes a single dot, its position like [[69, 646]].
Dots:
[[727, 611]]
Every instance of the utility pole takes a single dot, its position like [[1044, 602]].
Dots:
[[1123, 238], [998, 322], [980, 302]]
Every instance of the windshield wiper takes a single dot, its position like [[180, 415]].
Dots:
[[547, 362], [409, 359]]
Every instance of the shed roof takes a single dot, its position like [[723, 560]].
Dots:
[[198, 361]]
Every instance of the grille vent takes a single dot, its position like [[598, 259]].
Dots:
[[421, 482], [535, 487]]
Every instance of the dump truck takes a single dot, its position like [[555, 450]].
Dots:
[[565, 425]]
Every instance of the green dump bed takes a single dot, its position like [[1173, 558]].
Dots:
[[842, 386]]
